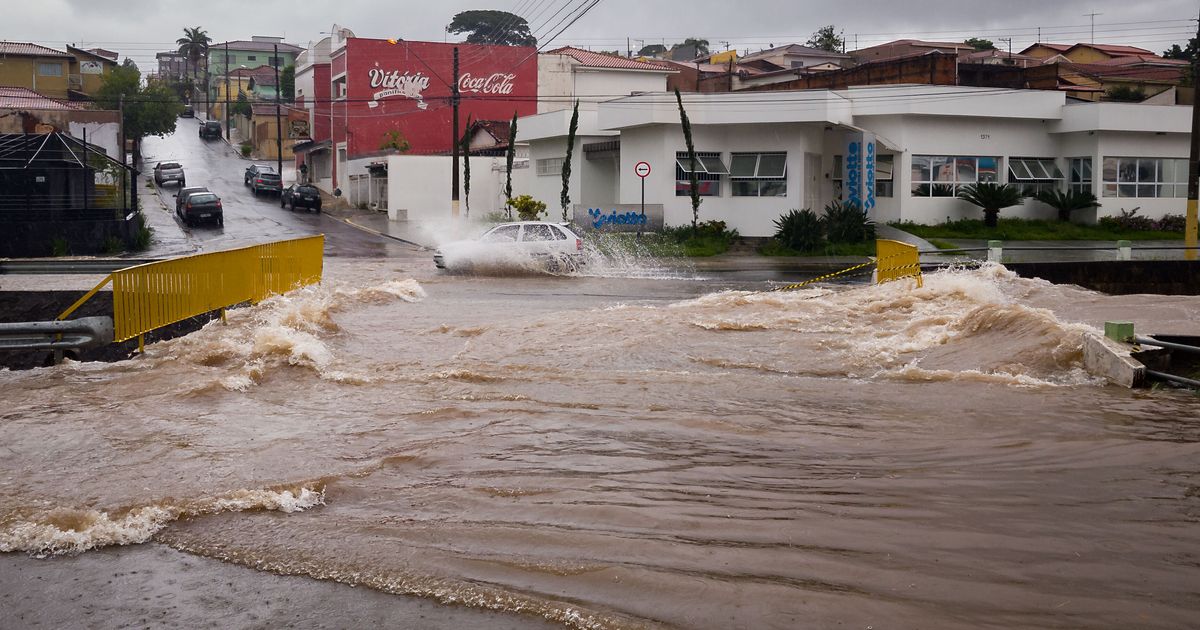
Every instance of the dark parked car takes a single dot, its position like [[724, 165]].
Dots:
[[203, 206], [301, 195], [183, 194], [210, 129], [188, 112], [260, 178]]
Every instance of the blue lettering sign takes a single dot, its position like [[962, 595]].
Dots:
[[599, 219], [854, 173], [869, 168]]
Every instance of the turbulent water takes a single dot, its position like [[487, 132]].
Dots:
[[586, 452]]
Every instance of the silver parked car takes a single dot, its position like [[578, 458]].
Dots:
[[525, 244], [169, 172]]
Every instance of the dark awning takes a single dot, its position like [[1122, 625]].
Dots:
[[312, 147]]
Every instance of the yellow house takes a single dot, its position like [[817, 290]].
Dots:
[[88, 71], [43, 70], [238, 82]]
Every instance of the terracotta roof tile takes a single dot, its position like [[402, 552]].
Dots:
[[599, 60], [23, 49], [25, 98]]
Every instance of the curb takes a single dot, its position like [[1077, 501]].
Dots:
[[377, 232]]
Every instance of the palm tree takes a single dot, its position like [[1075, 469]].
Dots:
[[1067, 202], [992, 198], [194, 44]]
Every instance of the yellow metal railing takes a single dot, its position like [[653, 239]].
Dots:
[[896, 260], [157, 294]]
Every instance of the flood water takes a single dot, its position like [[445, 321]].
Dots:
[[639, 452]]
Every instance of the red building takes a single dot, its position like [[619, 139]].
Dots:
[[385, 95]]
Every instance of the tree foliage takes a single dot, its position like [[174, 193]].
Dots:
[[149, 110], [991, 198], [194, 43], [508, 162], [465, 148], [700, 44], [1067, 202], [287, 83], [394, 140], [565, 198], [1126, 94], [652, 50], [827, 38], [693, 178], [979, 43], [528, 208], [242, 106], [499, 28]]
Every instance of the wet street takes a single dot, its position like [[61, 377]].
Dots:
[[248, 219], [631, 447]]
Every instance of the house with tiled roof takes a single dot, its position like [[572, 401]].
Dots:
[[902, 48], [568, 73], [44, 70]]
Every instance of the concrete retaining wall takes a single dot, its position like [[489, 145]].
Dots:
[[1119, 277]]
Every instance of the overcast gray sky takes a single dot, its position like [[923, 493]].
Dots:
[[139, 28]]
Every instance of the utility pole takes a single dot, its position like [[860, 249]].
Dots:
[[278, 121], [1093, 16], [227, 90], [207, 84], [629, 47], [1190, 225], [454, 140]]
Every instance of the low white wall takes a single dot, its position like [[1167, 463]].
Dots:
[[420, 185], [104, 135]]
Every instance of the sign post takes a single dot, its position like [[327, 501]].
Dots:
[[642, 170]]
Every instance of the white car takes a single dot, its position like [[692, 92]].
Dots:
[[525, 244]]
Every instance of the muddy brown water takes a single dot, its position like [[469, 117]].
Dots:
[[638, 452]]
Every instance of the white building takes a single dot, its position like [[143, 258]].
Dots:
[[764, 153]]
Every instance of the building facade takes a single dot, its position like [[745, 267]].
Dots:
[[765, 153]]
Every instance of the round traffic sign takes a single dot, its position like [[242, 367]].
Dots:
[[642, 169]]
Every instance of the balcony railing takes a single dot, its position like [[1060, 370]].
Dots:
[[74, 82]]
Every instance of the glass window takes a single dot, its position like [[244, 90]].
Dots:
[[537, 233], [944, 176], [709, 183], [50, 69], [1033, 175], [1144, 177], [550, 166], [502, 234], [759, 174], [1081, 175], [559, 234], [251, 58]]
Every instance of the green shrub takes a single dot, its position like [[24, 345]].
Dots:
[[801, 230], [846, 223], [1171, 223], [1128, 220], [528, 208], [113, 245], [246, 149], [59, 246], [142, 234], [708, 239]]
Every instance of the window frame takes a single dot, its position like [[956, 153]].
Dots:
[[1129, 179], [936, 165], [42, 66], [756, 184], [1030, 180], [1082, 183], [710, 183], [556, 170]]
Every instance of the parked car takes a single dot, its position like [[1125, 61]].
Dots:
[[301, 195], [210, 129], [202, 206], [188, 112], [169, 172], [260, 178], [182, 195], [552, 246]]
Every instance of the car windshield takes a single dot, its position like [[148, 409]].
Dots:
[[308, 190], [538, 233], [202, 198], [169, 165]]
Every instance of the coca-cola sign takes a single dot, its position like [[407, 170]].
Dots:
[[496, 83], [408, 85]]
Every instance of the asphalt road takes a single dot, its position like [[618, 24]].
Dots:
[[248, 219]]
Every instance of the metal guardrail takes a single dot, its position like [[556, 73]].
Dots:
[[897, 260], [75, 334], [157, 294], [68, 267]]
